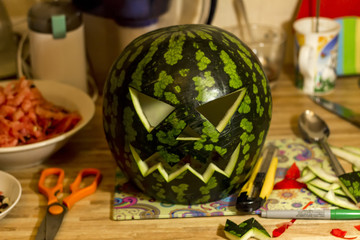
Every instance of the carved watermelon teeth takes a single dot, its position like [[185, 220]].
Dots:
[[145, 170]]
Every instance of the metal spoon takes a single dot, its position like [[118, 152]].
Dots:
[[314, 129]]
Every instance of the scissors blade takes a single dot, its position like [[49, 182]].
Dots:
[[42, 230], [339, 110], [50, 224]]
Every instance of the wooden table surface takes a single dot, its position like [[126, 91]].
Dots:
[[91, 217]]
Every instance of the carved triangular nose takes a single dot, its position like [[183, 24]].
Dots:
[[188, 134]]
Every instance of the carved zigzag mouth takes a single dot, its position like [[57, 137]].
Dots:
[[146, 170]]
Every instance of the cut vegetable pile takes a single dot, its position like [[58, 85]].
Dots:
[[320, 180], [27, 117]]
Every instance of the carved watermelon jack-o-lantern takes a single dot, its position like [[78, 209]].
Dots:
[[186, 112]]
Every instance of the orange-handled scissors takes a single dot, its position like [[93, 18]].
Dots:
[[56, 210]]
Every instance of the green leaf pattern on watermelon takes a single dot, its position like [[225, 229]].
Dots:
[[202, 84], [246, 148], [230, 69], [180, 191], [203, 61], [245, 105], [246, 125], [184, 72], [220, 150], [176, 126], [263, 78], [160, 192], [209, 130], [116, 81], [174, 52], [120, 63], [259, 107], [190, 34], [211, 184], [255, 89], [136, 53], [246, 59], [203, 35], [240, 167], [162, 82], [171, 97], [127, 121], [209, 147], [238, 43], [137, 75], [261, 138], [212, 46], [170, 157], [245, 137], [166, 138]]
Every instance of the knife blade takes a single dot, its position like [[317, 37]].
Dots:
[[343, 112]]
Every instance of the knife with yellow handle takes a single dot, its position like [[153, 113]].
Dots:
[[258, 188]]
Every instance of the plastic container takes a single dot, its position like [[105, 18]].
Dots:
[[57, 44], [7, 45]]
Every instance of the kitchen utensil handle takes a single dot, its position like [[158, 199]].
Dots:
[[338, 169]]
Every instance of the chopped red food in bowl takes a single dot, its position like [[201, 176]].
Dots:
[[27, 117], [38, 117]]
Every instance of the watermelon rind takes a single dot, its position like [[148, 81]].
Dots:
[[249, 228], [186, 111]]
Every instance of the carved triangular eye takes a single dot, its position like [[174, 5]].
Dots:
[[219, 111], [150, 110]]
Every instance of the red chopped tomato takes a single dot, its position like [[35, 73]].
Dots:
[[27, 117]]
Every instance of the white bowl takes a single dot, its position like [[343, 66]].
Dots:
[[11, 188], [66, 96]]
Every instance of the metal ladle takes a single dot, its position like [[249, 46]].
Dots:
[[314, 129]]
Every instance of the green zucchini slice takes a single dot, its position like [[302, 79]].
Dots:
[[330, 197]]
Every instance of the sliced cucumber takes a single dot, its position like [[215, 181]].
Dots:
[[330, 197], [306, 176], [321, 173], [352, 149], [327, 167], [327, 186], [324, 185], [347, 155]]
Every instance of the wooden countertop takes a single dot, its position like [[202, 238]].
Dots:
[[91, 217]]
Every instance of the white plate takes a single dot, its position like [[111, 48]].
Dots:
[[11, 188], [66, 96]]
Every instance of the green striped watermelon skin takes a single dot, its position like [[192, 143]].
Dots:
[[187, 67]]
